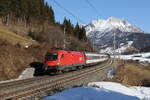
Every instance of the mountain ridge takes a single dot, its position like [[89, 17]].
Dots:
[[101, 33]]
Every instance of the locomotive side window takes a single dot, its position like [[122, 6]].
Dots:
[[62, 56], [51, 56]]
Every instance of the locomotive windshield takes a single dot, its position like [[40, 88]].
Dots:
[[51, 56]]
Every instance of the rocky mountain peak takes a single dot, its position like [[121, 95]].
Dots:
[[101, 31], [112, 23], [115, 19]]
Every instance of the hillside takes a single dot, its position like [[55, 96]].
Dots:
[[18, 51], [13, 38], [27, 30]]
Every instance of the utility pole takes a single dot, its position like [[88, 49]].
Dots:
[[64, 38], [93, 44], [119, 51], [114, 42]]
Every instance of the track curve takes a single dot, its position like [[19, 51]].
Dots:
[[23, 88]]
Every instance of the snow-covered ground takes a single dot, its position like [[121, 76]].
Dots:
[[110, 74], [27, 73], [141, 57], [103, 91], [123, 48]]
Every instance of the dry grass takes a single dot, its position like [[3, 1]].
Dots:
[[13, 38], [133, 74], [13, 60]]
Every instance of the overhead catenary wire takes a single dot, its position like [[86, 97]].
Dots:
[[95, 10], [66, 10], [97, 13]]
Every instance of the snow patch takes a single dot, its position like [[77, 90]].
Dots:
[[124, 47], [141, 57], [27, 73], [110, 74]]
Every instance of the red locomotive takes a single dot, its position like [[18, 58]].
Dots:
[[62, 60]]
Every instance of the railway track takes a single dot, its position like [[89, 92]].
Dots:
[[23, 88]]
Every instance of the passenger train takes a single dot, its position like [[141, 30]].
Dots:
[[63, 60]]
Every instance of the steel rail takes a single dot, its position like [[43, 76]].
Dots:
[[47, 84]]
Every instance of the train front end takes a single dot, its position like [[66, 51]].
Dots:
[[51, 63]]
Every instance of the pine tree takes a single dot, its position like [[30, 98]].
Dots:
[[5, 7], [76, 31], [68, 27], [30, 11], [80, 33]]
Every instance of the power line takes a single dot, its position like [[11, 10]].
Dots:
[[76, 17], [91, 5]]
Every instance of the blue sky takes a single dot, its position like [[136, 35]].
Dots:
[[136, 12]]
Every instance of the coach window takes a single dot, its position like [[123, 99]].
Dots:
[[62, 56]]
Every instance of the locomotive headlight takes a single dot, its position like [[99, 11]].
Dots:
[[58, 62]]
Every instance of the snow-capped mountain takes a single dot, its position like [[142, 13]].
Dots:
[[101, 32], [111, 24]]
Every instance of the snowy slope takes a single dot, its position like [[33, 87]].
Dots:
[[141, 57], [122, 48], [103, 91], [101, 34]]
